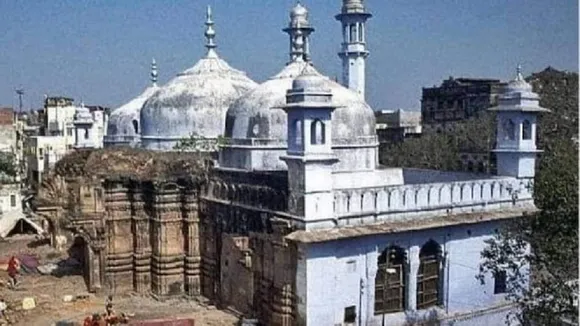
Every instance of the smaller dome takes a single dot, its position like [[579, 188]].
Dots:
[[309, 80]]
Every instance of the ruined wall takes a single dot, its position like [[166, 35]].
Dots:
[[215, 235]]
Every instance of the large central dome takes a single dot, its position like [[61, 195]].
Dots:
[[193, 103], [256, 127]]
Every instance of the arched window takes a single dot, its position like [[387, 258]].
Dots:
[[481, 167], [509, 129], [317, 132], [526, 130], [352, 33], [428, 275], [390, 281], [136, 126], [298, 132], [361, 33]]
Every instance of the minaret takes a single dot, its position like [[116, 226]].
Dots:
[[353, 51], [153, 72], [210, 35], [517, 112], [310, 158], [299, 30]]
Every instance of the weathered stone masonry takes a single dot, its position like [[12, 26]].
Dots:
[[218, 235]]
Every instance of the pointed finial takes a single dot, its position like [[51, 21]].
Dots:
[[210, 34], [154, 72], [519, 75]]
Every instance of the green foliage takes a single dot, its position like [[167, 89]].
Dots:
[[442, 150], [196, 143]]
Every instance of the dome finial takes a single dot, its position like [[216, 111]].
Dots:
[[210, 34], [154, 72]]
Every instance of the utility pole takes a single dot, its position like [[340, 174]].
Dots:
[[20, 93]]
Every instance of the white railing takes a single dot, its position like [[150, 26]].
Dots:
[[430, 196]]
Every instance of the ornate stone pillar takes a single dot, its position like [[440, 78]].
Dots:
[[167, 260], [120, 239], [191, 241], [142, 249]]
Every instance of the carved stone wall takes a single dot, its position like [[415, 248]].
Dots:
[[216, 238]]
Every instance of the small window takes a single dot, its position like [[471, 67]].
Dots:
[[136, 126], [509, 129], [350, 314], [317, 133], [499, 285], [40, 152], [360, 33], [352, 33], [298, 132], [69, 131], [86, 133], [526, 130], [13, 200]]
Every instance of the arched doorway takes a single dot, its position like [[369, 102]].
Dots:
[[79, 258]]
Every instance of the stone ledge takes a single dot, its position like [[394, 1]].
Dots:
[[323, 235]]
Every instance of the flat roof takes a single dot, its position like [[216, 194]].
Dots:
[[405, 225]]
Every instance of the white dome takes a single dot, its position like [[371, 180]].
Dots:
[[194, 102], [256, 122], [123, 126], [255, 115]]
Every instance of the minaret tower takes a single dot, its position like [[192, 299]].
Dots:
[[153, 72], [353, 51], [210, 35], [517, 112], [299, 30], [310, 158]]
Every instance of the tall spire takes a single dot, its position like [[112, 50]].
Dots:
[[210, 34], [153, 72], [299, 31]]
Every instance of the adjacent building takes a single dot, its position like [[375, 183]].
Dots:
[[296, 223], [393, 126], [65, 127], [458, 99]]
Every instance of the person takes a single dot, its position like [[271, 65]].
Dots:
[[13, 270], [109, 305]]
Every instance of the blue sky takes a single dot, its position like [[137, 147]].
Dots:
[[100, 51]]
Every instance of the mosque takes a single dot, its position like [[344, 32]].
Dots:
[[296, 223]]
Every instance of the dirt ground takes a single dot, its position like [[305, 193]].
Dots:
[[48, 292]]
